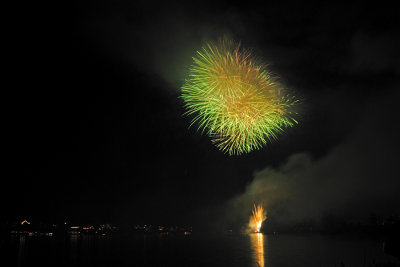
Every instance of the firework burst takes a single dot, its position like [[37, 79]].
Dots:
[[236, 101], [258, 216]]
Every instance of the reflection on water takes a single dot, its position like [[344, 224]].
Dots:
[[21, 250], [257, 242], [74, 249], [197, 250]]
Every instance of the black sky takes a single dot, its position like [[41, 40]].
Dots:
[[97, 132]]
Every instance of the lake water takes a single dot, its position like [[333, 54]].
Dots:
[[195, 250]]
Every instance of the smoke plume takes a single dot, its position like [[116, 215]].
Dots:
[[355, 179]]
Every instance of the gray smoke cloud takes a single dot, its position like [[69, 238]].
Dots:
[[354, 179]]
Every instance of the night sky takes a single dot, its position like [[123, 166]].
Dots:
[[97, 132]]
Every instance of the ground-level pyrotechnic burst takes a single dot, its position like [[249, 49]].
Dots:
[[236, 100], [258, 216]]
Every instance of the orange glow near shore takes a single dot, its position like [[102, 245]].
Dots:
[[258, 216]]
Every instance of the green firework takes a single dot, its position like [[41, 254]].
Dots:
[[235, 100]]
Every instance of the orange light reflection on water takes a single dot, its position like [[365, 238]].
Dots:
[[257, 242]]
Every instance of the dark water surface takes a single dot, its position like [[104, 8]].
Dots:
[[195, 250]]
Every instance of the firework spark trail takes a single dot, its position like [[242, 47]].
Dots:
[[234, 100], [258, 216]]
